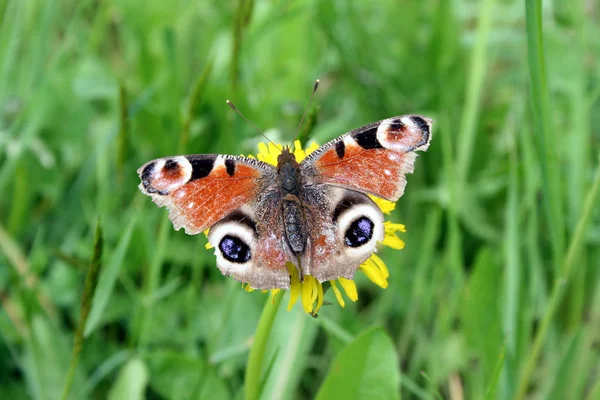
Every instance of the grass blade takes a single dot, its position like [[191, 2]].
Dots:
[[91, 280], [570, 266], [108, 279], [193, 105], [544, 131], [123, 125], [478, 68]]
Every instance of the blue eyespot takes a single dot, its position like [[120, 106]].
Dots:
[[234, 249], [359, 233]]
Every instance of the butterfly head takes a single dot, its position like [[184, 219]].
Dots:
[[286, 156]]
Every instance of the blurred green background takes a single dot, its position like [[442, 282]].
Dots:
[[496, 294]]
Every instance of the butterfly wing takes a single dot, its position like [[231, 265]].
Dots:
[[250, 245], [199, 190], [343, 231], [236, 199], [373, 159]]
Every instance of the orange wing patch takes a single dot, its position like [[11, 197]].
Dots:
[[199, 204], [199, 190], [372, 159], [378, 171]]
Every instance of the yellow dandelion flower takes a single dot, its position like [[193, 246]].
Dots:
[[310, 290]]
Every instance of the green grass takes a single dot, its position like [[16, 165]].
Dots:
[[496, 295]]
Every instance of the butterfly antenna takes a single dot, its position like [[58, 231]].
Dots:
[[230, 104], [307, 106]]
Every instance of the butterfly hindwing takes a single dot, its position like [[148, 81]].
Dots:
[[373, 159], [199, 190], [250, 244], [343, 233]]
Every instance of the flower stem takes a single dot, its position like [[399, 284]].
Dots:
[[252, 381]]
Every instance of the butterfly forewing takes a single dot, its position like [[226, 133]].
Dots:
[[373, 159], [199, 190]]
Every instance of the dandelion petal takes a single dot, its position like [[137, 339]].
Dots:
[[374, 274], [338, 294], [349, 287]]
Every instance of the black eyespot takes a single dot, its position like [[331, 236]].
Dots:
[[234, 249], [359, 232], [171, 164], [146, 175], [396, 125]]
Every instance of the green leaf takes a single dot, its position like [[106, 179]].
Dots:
[[570, 378], [368, 368], [212, 387], [490, 393], [45, 360], [107, 281], [131, 382], [481, 313], [181, 376]]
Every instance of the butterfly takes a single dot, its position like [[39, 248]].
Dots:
[[315, 214]]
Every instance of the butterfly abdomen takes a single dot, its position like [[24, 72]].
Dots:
[[294, 223]]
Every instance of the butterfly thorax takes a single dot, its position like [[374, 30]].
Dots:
[[290, 185], [288, 173]]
